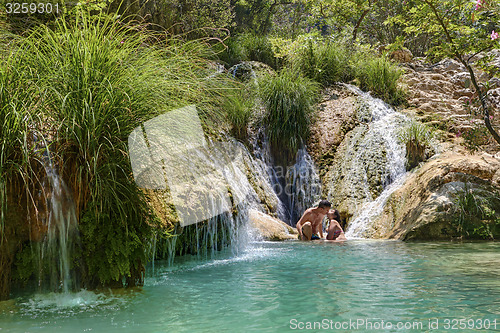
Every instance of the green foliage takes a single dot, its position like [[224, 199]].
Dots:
[[380, 76], [238, 106], [324, 61], [92, 82], [25, 265], [417, 138], [467, 29], [328, 61], [475, 136], [476, 215], [18, 98], [265, 16], [197, 17], [114, 249], [289, 99], [249, 47]]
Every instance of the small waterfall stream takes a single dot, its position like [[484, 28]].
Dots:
[[56, 248], [296, 186], [378, 141]]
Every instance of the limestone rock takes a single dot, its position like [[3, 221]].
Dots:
[[270, 228], [443, 92], [249, 70], [423, 208], [335, 117]]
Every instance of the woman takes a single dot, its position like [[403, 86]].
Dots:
[[334, 230]]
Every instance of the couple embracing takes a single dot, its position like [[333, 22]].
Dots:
[[310, 225]]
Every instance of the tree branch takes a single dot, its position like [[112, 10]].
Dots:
[[355, 31], [456, 53]]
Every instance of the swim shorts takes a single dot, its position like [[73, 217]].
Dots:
[[313, 237]]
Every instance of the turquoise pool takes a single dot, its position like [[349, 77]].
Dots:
[[357, 286]]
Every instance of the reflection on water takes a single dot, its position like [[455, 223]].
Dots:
[[270, 284]]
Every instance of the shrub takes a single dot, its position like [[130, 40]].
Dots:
[[476, 135], [238, 105], [324, 61], [417, 138], [475, 212], [289, 99], [380, 76], [249, 47], [328, 61]]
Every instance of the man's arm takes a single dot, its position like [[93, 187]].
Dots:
[[302, 220]]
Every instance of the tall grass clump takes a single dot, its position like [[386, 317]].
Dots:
[[17, 100], [249, 47], [100, 79], [323, 61], [289, 99], [417, 139], [91, 75], [238, 105], [380, 76]]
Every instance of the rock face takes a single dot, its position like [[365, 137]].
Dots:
[[426, 206], [439, 94], [270, 228], [336, 116], [352, 143]]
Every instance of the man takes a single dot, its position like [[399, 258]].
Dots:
[[334, 230], [311, 222]]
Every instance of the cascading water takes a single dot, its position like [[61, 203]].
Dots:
[[218, 194], [296, 187], [303, 186], [373, 180], [57, 245]]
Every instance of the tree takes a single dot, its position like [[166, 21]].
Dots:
[[341, 13], [463, 30]]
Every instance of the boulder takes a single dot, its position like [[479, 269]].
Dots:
[[249, 70], [270, 228], [425, 207]]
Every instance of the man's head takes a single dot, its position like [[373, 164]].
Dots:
[[325, 205]]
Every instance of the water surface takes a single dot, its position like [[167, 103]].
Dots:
[[282, 287]]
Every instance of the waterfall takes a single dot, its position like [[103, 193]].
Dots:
[[378, 163], [208, 181], [296, 186], [56, 247], [303, 186]]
